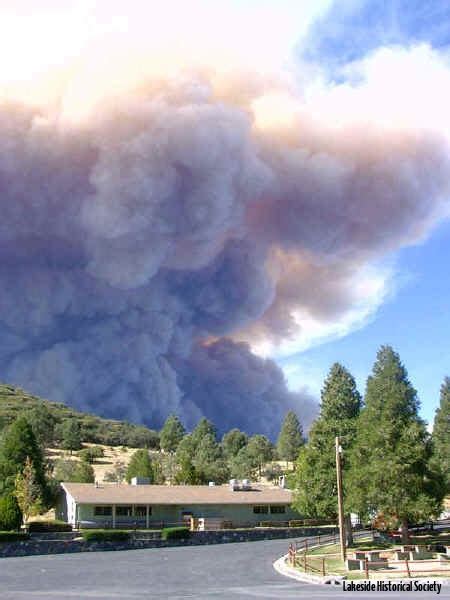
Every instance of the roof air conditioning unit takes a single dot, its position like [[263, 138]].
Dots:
[[234, 485], [140, 481], [246, 485], [212, 483]]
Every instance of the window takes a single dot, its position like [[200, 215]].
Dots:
[[124, 511], [103, 511], [140, 510], [277, 510], [260, 510]]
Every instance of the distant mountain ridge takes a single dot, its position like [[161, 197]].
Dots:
[[95, 429]]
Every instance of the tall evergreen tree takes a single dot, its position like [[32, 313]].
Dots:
[[42, 423], [171, 434], [233, 441], [441, 433], [70, 433], [290, 439], [315, 475], [18, 444], [209, 462], [204, 427], [259, 450], [140, 465], [390, 471]]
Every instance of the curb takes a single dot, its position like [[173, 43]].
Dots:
[[281, 567]]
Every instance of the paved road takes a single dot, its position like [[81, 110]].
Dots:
[[228, 571]]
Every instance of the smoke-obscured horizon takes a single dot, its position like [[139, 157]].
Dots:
[[145, 247]]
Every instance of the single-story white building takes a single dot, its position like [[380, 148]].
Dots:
[[144, 505]]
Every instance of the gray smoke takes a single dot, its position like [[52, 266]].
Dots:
[[139, 247]]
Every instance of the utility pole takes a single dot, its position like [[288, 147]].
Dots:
[[340, 498]]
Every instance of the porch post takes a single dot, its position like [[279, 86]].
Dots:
[[147, 517], [114, 516]]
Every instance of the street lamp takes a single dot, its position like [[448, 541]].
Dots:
[[340, 498]]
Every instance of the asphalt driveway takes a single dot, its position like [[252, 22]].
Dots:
[[227, 571]]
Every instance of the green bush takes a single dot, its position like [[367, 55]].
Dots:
[[10, 513], [50, 526], [90, 454], [13, 536], [105, 535], [175, 533]]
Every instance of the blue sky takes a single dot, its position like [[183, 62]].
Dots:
[[415, 318]]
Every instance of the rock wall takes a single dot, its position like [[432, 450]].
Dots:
[[66, 543]]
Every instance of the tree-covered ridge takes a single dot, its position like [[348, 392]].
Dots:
[[93, 428]]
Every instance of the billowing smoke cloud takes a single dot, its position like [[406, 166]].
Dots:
[[143, 246]]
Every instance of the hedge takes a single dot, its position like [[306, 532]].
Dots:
[[13, 536], [105, 535], [175, 533], [48, 526]]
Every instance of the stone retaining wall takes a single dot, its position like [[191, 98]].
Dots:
[[36, 546]]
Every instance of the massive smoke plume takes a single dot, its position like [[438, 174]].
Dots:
[[144, 248]]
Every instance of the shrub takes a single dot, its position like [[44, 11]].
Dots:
[[175, 533], [103, 535], [13, 536], [90, 454], [10, 513], [48, 526]]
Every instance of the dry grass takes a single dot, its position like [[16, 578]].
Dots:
[[112, 455]]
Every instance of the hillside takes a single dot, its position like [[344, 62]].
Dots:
[[94, 429]]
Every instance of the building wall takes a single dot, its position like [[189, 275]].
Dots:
[[237, 514], [65, 509]]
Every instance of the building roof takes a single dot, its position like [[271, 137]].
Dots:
[[112, 493]]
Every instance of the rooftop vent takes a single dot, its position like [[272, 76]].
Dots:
[[140, 481]]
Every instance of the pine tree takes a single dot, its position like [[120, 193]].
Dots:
[[233, 441], [390, 472], [42, 423], [18, 444], [209, 462], [290, 439], [140, 465], [259, 450], [441, 433], [315, 475], [70, 433], [171, 434], [204, 427]]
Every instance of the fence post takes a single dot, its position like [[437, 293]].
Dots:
[[323, 567], [407, 567], [304, 561], [366, 567]]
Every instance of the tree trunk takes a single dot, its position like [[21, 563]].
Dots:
[[348, 531], [405, 532]]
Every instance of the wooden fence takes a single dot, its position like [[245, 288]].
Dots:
[[316, 564]]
